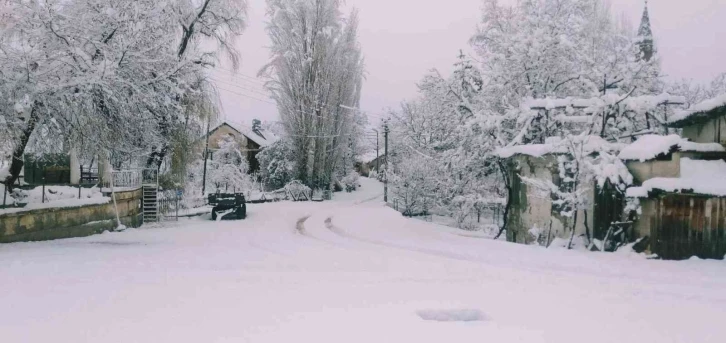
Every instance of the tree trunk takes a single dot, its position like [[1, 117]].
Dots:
[[574, 226], [508, 205], [16, 165]]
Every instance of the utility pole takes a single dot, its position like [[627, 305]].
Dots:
[[378, 156], [385, 177], [206, 154]]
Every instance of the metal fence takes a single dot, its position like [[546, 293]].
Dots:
[[170, 204]]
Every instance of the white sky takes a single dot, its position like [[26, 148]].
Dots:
[[403, 39]]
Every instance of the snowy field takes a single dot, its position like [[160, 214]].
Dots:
[[350, 270]]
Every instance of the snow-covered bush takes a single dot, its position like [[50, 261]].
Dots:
[[277, 164], [350, 181], [297, 190], [413, 186]]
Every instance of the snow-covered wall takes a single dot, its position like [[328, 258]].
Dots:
[[70, 221], [643, 171], [531, 212], [711, 131]]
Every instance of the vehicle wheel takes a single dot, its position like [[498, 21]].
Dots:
[[214, 215]]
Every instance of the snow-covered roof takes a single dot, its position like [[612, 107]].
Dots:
[[648, 147], [699, 177], [553, 145], [263, 138], [700, 112]]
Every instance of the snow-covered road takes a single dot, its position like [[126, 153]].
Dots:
[[345, 271]]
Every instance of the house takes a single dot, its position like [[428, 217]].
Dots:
[[680, 184], [251, 140], [534, 218], [365, 163]]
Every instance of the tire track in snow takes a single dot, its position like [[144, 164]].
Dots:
[[368, 200], [431, 252], [300, 226]]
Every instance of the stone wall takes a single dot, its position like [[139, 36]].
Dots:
[[66, 222]]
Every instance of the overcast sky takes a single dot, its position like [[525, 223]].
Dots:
[[403, 39]]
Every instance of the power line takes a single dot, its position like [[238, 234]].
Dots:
[[246, 82], [235, 73], [241, 87], [246, 95]]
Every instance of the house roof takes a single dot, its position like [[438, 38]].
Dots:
[[648, 147], [696, 177], [262, 138], [699, 113]]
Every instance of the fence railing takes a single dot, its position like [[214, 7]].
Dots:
[[132, 178]]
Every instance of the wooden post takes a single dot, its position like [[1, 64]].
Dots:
[[42, 197]]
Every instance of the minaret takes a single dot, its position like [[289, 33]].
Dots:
[[645, 36]]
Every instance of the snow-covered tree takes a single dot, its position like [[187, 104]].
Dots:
[[79, 71], [277, 164], [316, 75], [583, 161], [228, 170], [535, 51]]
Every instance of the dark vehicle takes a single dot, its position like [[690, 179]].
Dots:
[[228, 201]]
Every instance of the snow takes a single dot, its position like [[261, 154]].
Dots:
[[55, 196], [639, 102], [647, 147], [265, 141], [65, 203], [697, 176], [700, 108], [455, 315], [367, 157], [551, 103], [352, 271], [553, 145]]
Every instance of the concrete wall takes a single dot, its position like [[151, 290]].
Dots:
[[711, 131], [531, 209], [66, 222], [643, 171]]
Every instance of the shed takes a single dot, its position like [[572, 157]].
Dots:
[[531, 214], [682, 194], [704, 122]]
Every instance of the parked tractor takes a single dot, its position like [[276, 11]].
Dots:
[[224, 202]]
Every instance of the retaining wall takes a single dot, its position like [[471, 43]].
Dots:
[[66, 222]]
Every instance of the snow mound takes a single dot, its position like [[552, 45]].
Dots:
[[700, 177], [452, 315], [648, 147]]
